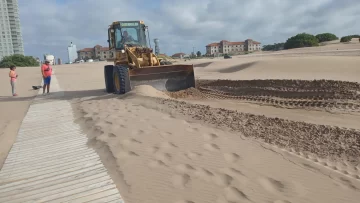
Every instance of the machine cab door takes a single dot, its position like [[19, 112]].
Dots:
[[111, 38]]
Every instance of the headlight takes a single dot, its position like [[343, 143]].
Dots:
[[122, 51]]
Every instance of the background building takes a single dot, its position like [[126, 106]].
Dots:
[[50, 58], [72, 53], [178, 55], [157, 46], [226, 47], [98, 52], [11, 41]]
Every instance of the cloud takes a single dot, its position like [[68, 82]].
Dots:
[[48, 26]]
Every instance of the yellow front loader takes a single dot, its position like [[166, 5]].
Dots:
[[136, 64]]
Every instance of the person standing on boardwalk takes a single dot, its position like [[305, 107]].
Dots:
[[13, 76], [46, 71]]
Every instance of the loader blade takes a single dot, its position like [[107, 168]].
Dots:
[[164, 78]]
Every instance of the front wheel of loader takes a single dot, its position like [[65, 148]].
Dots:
[[108, 76], [121, 79]]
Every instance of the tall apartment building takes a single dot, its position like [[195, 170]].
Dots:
[[72, 53], [11, 41]]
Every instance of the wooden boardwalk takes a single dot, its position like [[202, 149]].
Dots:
[[50, 160]]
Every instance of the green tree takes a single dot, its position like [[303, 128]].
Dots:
[[198, 53], [301, 40], [324, 37], [19, 61], [274, 47], [348, 38]]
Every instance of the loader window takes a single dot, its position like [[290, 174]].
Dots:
[[128, 35], [131, 33]]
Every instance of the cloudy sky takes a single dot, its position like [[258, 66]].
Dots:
[[48, 26]]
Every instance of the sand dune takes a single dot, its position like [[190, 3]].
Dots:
[[181, 160], [161, 150], [307, 68]]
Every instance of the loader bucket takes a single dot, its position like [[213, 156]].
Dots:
[[164, 78]]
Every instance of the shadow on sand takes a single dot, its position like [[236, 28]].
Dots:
[[95, 94], [202, 65], [237, 68]]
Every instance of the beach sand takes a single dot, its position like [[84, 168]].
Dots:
[[159, 149], [13, 109]]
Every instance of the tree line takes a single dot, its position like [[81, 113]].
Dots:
[[349, 37], [306, 40], [18, 60], [273, 47]]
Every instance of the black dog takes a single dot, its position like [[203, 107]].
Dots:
[[36, 87]]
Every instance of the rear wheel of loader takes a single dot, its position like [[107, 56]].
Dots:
[[121, 79], [108, 75]]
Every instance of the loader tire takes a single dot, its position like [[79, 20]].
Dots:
[[108, 75], [121, 79]]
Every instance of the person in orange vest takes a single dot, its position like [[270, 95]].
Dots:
[[46, 71], [13, 76]]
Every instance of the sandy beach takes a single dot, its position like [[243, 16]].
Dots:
[[179, 101], [13, 109], [186, 148], [269, 128]]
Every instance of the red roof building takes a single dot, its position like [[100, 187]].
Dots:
[[97, 52], [178, 55], [225, 47]]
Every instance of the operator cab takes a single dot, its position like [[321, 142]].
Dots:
[[129, 33]]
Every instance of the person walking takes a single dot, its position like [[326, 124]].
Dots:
[[46, 71], [13, 76]]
